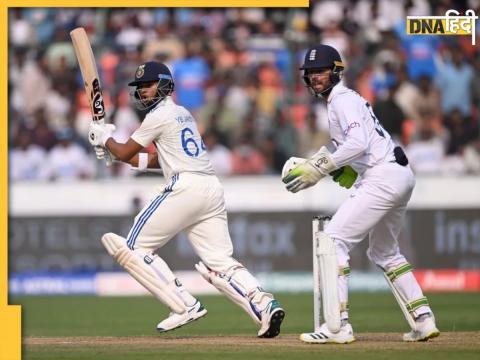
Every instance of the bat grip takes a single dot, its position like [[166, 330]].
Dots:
[[108, 159]]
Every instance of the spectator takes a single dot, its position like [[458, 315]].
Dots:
[[461, 131], [26, 160], [218, 116], [455, 78], [419, 51], [21, 32], [284, 135], [312, 137], [219, 155], [42, 133], [247, 159], [191, 76], [427, 101], [405, 93], [67, 160], [32, 82], [390, 114], [427, 151]]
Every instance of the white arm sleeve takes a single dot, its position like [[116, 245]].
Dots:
[[353, 125], [149, 130]]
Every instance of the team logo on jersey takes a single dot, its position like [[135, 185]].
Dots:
[[312, 55], [140, 71]]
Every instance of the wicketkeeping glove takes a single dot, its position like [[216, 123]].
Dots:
[[310, 172], [345, 176], [290, 164]]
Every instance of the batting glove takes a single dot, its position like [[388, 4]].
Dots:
[[345, 176], [98, 134], [310, 172], [103, 153]]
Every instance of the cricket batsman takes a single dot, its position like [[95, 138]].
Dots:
[[361, 154], [192, 201]]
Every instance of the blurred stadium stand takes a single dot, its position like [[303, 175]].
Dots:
[[236, 70]]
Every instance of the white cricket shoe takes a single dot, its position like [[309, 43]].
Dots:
[[325, 336], [176, 320], [272, 317], [426, 329]]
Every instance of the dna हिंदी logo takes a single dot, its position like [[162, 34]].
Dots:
[[451, 24]]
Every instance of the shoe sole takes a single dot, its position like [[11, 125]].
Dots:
[[325, 341], [202, 314], [275, 322], [431, 336]]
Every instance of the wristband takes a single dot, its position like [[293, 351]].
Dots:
[[142, 161]]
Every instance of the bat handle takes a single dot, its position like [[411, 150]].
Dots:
[[108, 158]]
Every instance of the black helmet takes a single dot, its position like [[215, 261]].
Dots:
[[322, 57], [148, 72]]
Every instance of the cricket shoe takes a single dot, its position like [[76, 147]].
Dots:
[[176, 320], [325, 336], [425, 329], [272, 317]]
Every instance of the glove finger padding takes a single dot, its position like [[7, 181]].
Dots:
[[99, 152], [290, 164], [297, 185]]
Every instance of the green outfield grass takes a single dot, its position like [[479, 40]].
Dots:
[[129, 324]]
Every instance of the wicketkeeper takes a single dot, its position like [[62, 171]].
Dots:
[[361, 154], [192, 201]]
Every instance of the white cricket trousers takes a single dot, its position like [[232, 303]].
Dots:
[[193, 203], [376, 208]]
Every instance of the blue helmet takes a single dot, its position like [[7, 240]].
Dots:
[[148, 72], [322, 57]]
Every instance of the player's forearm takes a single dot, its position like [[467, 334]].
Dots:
[[152, 161], [118, 150], [123, 152]]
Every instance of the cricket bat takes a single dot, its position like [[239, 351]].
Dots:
[[91, 80]]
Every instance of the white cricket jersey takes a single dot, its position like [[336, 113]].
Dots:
[[359, 139], [174, 132]]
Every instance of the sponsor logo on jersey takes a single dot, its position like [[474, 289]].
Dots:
[[350, 127]]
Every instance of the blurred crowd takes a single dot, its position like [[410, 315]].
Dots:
[[236, 70]]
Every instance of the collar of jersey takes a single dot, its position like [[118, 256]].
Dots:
[[167, 100], [336, 89]]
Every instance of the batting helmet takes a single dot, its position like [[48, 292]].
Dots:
[[322, 57], [148, 72]]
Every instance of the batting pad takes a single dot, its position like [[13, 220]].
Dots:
[[141, 271], [328, 271], [230, 288]]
